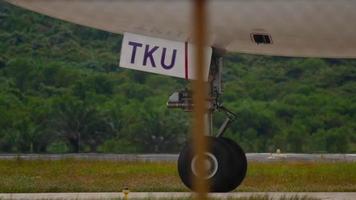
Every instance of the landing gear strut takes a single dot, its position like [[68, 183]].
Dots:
[[225, 161]]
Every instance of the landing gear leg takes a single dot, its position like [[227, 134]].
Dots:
[[226, 162]]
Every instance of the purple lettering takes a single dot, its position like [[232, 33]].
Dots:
[[134, 49], [163, 59], [149, 55]]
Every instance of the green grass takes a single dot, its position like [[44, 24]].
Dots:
[[113, 176]]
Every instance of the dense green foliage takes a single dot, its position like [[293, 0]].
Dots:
[[61, 91]]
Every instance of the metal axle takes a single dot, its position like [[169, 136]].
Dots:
[[184, 100]]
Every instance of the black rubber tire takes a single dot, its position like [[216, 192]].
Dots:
[[221, 181], [237, 170]]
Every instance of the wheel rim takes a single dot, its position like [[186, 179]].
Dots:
[[211, 165]]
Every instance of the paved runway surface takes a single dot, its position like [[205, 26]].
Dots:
[[172, 195], [260, 157]]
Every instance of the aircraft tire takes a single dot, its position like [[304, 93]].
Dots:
[[239, 168], [221, 161]]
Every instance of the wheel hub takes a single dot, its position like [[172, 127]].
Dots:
[[211, 165]]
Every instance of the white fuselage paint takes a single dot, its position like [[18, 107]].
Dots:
[[161, 56], [302, 28]]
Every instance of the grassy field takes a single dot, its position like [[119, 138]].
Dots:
[[111, 176]]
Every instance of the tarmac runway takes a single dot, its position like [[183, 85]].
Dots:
[[258, 157], [175, 195]]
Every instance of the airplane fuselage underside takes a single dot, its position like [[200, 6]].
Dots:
[[302, 28]]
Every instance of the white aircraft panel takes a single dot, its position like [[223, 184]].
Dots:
[[306, 28], [161, 56]]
